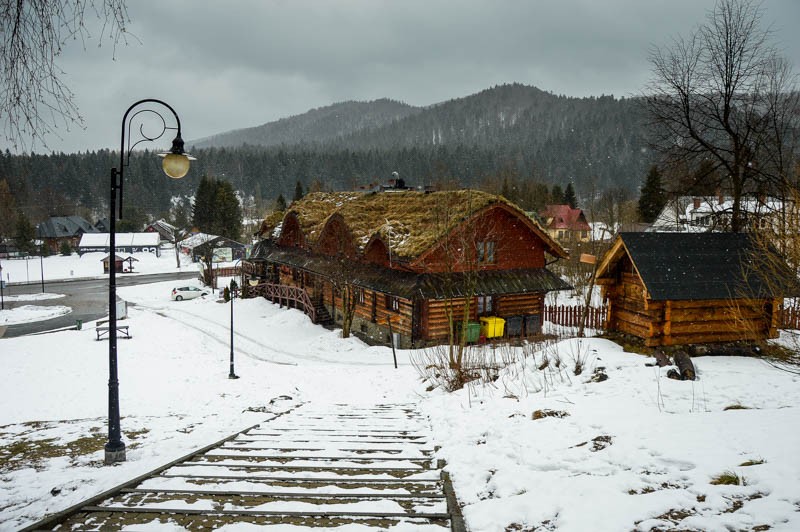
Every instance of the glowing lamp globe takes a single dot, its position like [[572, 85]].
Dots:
[[175, 165]]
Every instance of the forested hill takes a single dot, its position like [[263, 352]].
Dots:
[[317, 125], [512, 131], [555, 139]]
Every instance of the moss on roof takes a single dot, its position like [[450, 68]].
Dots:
[[409, 222]]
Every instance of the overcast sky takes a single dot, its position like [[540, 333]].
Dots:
[[237, 63]]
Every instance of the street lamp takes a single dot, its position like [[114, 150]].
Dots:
[[232, 294], [175, 165]]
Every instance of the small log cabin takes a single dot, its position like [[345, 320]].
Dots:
[[687, 288], [406, 258]]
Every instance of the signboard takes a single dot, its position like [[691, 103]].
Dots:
[[222, 255]]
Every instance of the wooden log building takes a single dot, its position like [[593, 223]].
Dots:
[[407, 257], [687, 288]]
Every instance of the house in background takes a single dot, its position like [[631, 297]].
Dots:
[[698, 214], [221, 249], [565, 224], [56, 230], [167, 232], [103, 225], [688, 288], [406, 261]]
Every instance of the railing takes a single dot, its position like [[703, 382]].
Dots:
[[291, 296], [571, 316]]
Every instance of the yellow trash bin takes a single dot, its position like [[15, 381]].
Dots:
[[492, 327]]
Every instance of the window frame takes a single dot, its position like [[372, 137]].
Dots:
[[486, 252], [391, 302], [484, 305]]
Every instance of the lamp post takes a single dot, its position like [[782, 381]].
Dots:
[[232, 293], [2, 285], [175, 165], [41, 270]]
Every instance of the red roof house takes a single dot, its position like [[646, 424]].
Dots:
[[565, 224]]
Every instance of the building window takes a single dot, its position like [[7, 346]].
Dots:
[[486, 252], [392, 303], [485, 305]]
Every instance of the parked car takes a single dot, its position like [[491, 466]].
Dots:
[[187, 292]]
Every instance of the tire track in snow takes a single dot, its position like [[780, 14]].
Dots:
[[224, 338]]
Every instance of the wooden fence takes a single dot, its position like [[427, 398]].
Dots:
[[790, 317], [571, 316]]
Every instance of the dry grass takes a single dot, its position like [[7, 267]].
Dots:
[[409, 222], [736, 406], [728, 478]]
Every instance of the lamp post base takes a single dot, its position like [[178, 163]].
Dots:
[[114, 456], [232, 376]]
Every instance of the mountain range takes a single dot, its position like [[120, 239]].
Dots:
[[551, 138], [513, 133]]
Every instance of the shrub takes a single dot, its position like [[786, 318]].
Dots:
[[728, 478]]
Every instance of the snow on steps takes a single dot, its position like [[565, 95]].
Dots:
[[368, 468]]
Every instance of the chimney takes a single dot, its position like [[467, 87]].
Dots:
[[696, 203]]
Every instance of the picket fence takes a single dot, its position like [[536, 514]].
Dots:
[[571, 316], [790, 317]]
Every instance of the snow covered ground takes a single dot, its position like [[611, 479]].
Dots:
[[88, 265], [634, 452]]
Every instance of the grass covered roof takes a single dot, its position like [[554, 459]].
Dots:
[[408, 222]]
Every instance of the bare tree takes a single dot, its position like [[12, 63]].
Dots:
[[34, 99], [724, 96]]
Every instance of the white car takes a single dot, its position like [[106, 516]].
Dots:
[[187, 292]]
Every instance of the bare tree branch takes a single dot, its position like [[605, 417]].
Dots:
[[34, 99], [723, 98]]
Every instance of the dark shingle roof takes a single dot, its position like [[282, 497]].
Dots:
[[64, 226], [681, 266], [409, 284]]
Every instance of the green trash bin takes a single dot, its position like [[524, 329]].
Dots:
[[473, 332], [78, 325]]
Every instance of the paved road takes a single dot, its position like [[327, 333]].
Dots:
[[87, 298]]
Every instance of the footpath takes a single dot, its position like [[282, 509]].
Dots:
[[369, 467]]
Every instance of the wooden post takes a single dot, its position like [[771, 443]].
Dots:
[[391, 340], [592, 260]]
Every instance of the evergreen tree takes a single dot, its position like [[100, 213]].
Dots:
[[65, 248], [280, 203], [227, 213], [298, 192], [556, 195], [24, 234], [203, 208], [652, 198], [7, 206], [569, 196]]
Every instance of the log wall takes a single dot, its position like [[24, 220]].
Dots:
[[687, 322]]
